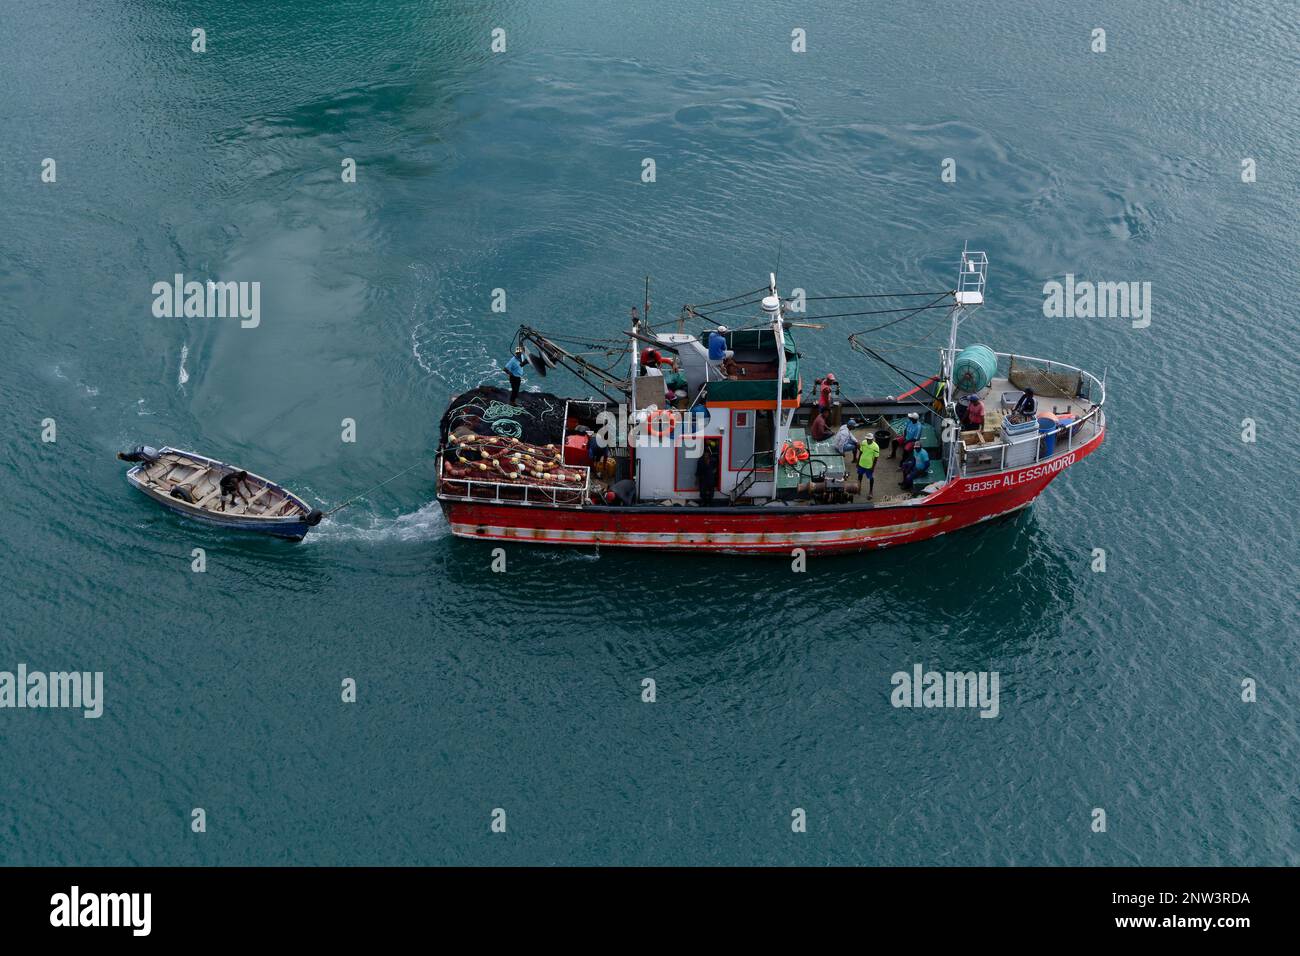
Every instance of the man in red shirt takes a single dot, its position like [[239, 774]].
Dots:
[[824, 396], [819, 430], [651, 358]]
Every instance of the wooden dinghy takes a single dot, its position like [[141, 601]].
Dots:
[[190, 485]]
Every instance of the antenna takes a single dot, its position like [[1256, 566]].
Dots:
[[970, 278], [969, 294]]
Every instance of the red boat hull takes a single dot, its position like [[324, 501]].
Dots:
[[765, 530]]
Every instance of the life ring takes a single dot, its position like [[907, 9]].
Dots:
[[660, 424]]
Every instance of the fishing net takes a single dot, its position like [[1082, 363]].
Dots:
[[1044, 383], [535, 417]]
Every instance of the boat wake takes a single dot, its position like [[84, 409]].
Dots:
[[425, 524], [447, 349]]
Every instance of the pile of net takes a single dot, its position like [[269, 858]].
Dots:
[[499, 458], [534, 417]]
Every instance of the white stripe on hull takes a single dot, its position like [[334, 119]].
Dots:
[[703, 540]]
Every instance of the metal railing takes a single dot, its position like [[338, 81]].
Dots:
[[750, 469], [1078, 432], [529, 493]]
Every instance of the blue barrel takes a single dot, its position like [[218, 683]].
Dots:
[[1047, 428], [974, 368]]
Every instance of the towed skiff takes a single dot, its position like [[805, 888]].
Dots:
[[190, 484]]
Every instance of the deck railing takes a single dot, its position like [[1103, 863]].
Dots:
[[990, 459], [529, 493]]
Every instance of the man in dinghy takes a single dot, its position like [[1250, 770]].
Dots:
[[230, 483]]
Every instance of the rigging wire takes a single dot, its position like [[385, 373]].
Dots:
[[875, 295], [910, 312], [901, 346], [728, 308], [905, 373], [705, 305], [933, 305]]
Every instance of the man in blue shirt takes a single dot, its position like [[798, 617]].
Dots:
[[910, 438], [916, 468], [516, 372], [718, 344]]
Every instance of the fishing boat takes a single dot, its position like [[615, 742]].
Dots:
[[190, 485], [621, 468]]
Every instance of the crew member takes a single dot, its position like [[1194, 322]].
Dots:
[[868, 453], [844, 442], [675, 384], [650, 358], [824, 395], [516, 372], [700, 410], [621, 493], [596, 448], [916, 468], [975, 414], [819, 430], [718, 344], [910, 438], [230, 483], [1026, 406], [706, 474]]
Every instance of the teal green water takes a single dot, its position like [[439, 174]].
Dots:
[[521, 170]]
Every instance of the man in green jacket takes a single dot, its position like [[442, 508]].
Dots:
[[868, 453]]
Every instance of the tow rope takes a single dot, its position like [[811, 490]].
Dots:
[[375, 488]]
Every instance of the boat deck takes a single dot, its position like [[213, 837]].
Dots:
[[888, 472], [984, 452], [201, 478]]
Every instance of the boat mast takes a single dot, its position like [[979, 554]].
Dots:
[[772, 309], [968, 297]]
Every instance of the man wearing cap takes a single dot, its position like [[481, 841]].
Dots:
[[916, 468], [824, 393], [910, 438], [621, 493], [868, 453], [975, 413], [1026, 406], [516, 372], [718, 344], [844, 442]]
